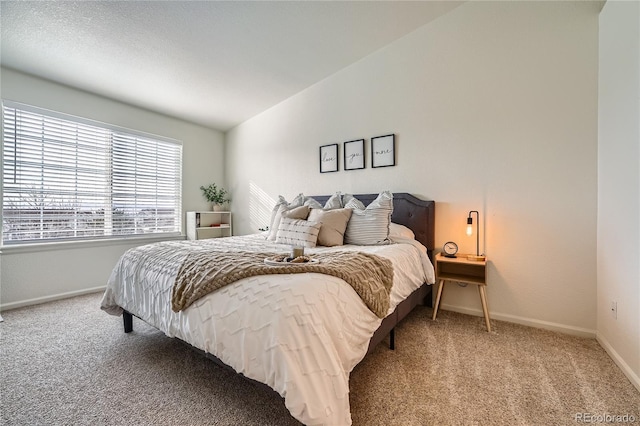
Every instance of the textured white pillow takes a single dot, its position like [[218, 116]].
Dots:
[[297, 232], [281, 206], [370, 225], [312, 203], [334, 222], [334, 202], [400, 231]]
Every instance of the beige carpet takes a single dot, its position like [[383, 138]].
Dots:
[[68, 363]]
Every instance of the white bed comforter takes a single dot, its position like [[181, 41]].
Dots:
[[301, 334]]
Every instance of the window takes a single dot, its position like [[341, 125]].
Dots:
[[68, 178]]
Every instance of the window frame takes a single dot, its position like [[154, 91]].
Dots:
[[115, 133]]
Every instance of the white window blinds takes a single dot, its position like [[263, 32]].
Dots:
[[69, 178]]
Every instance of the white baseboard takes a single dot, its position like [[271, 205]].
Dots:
[[44, 299], [631, 375], [530, 322]]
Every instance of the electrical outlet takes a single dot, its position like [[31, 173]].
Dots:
[[614, 309]]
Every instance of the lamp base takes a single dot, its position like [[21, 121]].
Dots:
[[476, 258]]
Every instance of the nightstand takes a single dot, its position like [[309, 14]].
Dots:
[[462, 270]]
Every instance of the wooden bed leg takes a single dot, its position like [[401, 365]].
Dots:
[[127, 318], [392, 339]]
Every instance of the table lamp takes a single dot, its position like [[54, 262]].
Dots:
[[477, 256]]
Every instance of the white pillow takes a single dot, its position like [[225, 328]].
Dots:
[[281, 206], [370, 225], [400, 231], [298, 232], [312, 203], [334, 202]]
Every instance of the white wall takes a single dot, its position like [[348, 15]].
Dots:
[[619, 185], [494, 107], [41, 274]]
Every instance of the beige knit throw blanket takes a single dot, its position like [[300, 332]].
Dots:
[[202, 272]]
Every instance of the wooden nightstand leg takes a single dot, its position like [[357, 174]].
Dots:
[[438, 296], [483, 298]]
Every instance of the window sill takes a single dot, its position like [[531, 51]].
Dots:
[[72, 245]]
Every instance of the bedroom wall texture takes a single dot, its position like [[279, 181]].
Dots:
[[41, 274], [494, 107], [619, 185]]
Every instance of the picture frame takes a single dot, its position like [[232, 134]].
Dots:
[[329, 158], [353, 153], [383, 151]]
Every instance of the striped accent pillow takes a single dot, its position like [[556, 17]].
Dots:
[[369, 226], [298, 232]]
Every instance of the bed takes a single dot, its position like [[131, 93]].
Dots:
[[301, 334]]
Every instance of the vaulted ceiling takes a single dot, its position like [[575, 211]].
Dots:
[[215, 63]]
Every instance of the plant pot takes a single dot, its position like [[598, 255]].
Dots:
[[217, 207]]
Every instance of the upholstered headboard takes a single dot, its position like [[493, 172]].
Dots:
[[412, 212]]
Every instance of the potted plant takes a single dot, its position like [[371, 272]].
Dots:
[[216, 196]]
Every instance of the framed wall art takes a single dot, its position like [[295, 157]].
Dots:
[[329, 158], [353, 152], [383, 151]]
